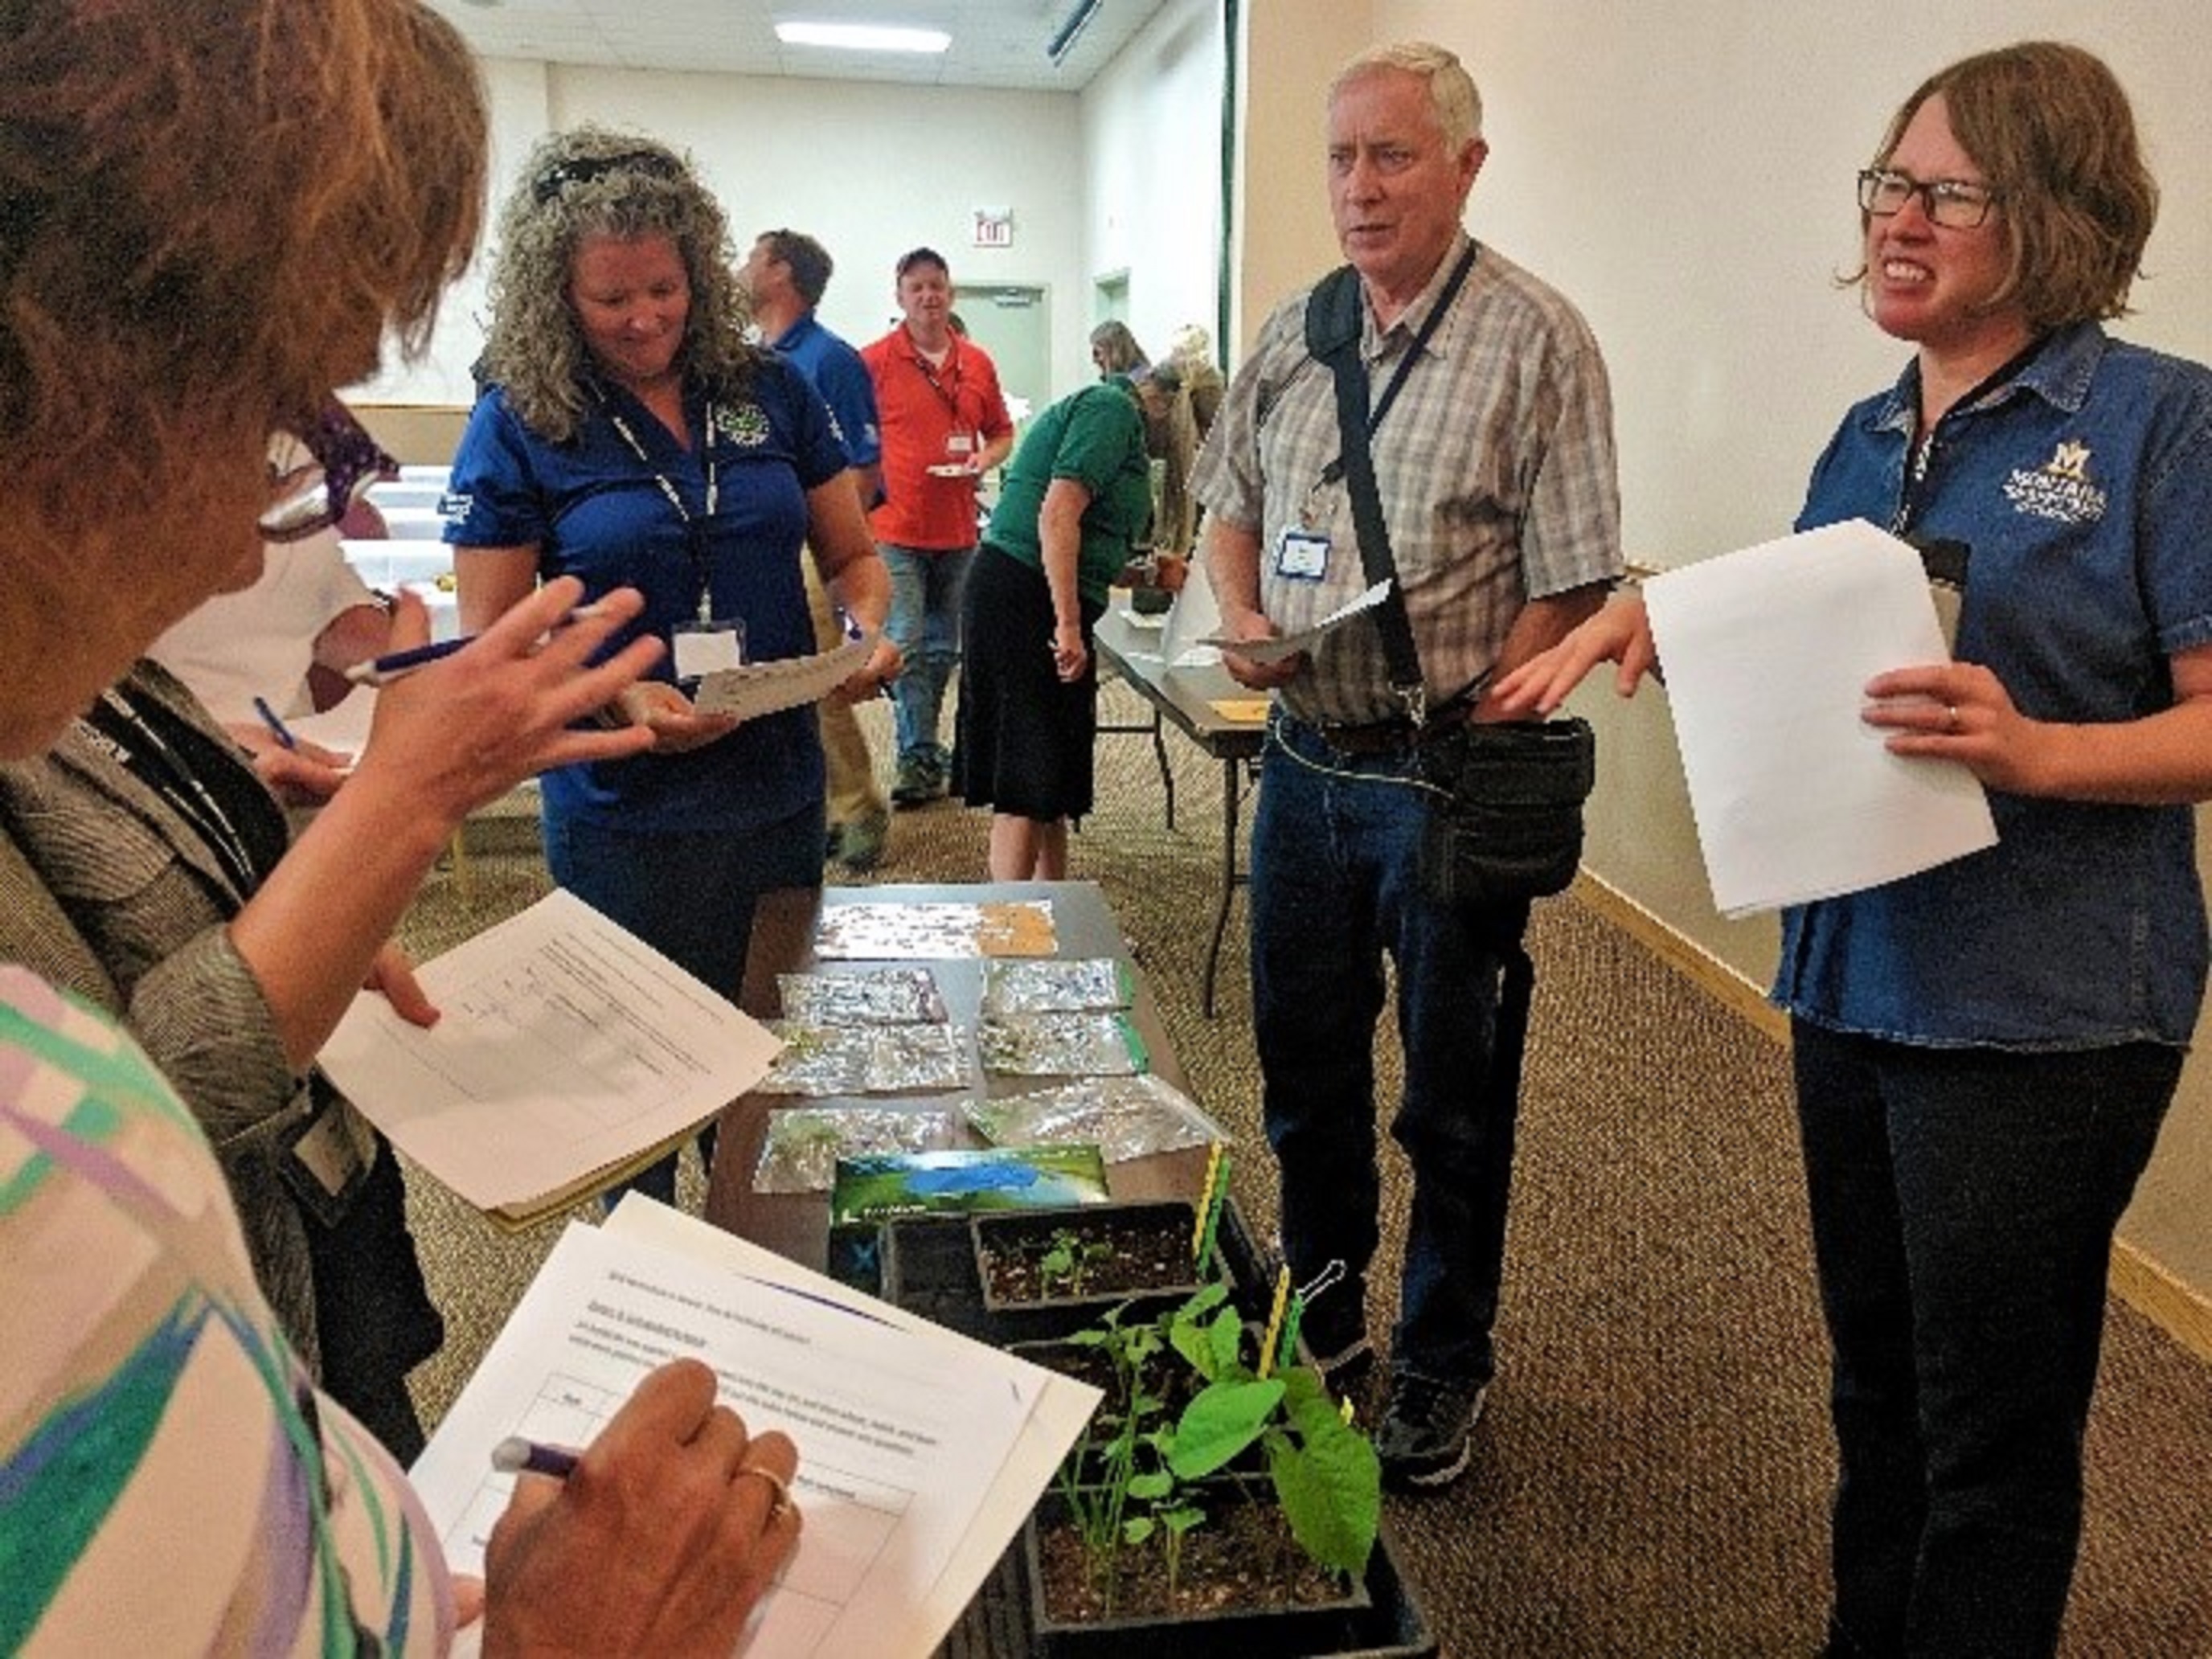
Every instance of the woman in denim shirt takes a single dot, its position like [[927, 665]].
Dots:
[[1984, 1051]]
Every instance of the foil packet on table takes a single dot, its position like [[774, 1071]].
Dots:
[[804, 1143], [1057, 985], [1125, 1117], [867, 1059], [873, 996], [935, 930], [1061, 1045]]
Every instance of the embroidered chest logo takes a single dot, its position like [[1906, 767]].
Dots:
[[2060, 489], [745, 426]]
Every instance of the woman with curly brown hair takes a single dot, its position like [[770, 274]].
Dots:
[[630, 437], [209, 217]]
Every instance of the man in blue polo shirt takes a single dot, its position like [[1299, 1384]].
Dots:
[[787, 274]]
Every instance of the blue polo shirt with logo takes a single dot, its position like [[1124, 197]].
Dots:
[[2082, 487], [597, 511]]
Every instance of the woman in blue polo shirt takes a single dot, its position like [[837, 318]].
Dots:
[[630, 437], [1984, 1051]]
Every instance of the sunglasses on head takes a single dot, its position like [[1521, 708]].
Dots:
[[655, 163]]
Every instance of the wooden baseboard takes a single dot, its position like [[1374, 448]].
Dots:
[[1710, 974], [2173, 1305]]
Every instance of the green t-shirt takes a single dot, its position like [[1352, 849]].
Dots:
[[1096, 438]]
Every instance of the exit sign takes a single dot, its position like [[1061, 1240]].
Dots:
[[995, 226]]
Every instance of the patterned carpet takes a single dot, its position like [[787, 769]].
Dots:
[[1651, 1474]]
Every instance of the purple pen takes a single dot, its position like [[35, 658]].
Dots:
[[517, 1456]]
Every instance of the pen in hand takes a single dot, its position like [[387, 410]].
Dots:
[[518, 1455], [277, 729], [382, 671]]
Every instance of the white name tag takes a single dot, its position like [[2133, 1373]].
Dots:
[[707, 650], [1301, 556]]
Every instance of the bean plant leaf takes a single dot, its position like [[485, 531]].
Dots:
[[1220, 1422], [1327, 1477]]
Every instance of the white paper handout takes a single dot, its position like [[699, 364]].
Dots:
[[1062, 1408], [1767, 653], [904, 1438], [565, 1045], [1286, 646], [766, 688], [1195, 615]]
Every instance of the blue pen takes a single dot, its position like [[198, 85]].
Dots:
[[382, 671], [277, 729]]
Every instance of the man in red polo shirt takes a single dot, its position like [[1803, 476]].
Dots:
[[944, 425]]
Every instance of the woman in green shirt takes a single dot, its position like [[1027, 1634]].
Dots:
[[1074, 500]]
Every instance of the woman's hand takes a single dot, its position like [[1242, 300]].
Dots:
[[1619, 633], [659, 707], [671, 1528], [1957, 711], [1070, 656], [305, 774], [885, 665], [467, 729], [392, 976]]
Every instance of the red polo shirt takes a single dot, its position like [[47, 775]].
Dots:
[[920, 408]]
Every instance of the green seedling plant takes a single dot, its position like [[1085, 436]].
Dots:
[[1133, 1485], [1065, 1267]]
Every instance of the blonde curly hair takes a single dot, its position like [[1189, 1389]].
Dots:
[[596, 181]]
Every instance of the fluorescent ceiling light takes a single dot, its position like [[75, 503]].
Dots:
[[862, 37]]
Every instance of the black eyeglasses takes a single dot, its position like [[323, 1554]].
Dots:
[[655, 163], [343, 462], [1954, 203]]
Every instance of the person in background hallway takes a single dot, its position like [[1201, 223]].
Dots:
[[1075, 496], [288, 635], [631, 438], [174, 1481], [1497, 469], [1191, 352], [1114, 350], [786, 275], [944, 425], [1984, 1051]]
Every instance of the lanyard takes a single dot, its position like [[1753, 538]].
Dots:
[[1921, 457], [1334, 471], [132, 737], [692, 535], [949, 398]]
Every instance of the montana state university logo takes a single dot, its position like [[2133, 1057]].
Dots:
[[2060, 489]]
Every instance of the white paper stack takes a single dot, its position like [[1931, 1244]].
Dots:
[[1767, 653]]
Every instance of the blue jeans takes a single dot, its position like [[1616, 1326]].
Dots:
[[1335, 885], [925, 625], [690, 895], [1964, 1201]]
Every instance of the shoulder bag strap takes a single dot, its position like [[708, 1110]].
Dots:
[[1333, 336]]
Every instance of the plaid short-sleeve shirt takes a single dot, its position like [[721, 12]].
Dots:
[[1495, 468]]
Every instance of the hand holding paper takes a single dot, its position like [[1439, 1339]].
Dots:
[[1768, 653]]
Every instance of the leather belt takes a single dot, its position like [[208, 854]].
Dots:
[[1390, 737]]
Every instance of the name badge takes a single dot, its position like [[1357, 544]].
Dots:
[[960, 443], [1301, 556], [700, 648]]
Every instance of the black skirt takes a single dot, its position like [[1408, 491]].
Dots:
[[1024, 738]]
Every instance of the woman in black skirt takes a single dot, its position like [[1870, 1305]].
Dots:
[[1075, 497]]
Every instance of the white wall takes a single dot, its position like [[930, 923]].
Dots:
[[870, 169], [1151, 194]]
